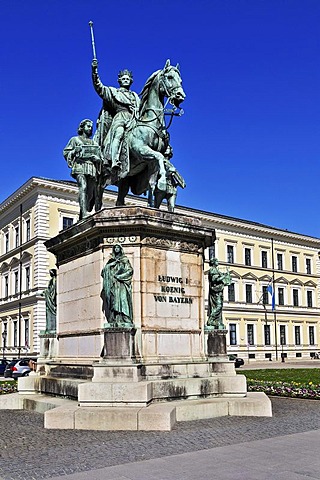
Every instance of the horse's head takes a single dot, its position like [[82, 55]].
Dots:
[[171, 84]]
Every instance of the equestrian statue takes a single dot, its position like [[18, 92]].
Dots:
[[132, 132]]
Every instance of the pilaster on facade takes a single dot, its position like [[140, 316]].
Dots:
[[39, 323], [41, 217]]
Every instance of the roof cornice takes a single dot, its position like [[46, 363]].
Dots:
[[213, 219]]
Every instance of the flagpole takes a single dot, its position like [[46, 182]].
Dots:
[[274, 311]]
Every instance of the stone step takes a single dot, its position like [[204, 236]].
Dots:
[[35, 402], [157, 416]]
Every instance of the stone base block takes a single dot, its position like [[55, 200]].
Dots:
[[119, 418], [139, 394], [201, 409], [49, 346], [192, 369], [115, 394], [195, 388], [13, 401], [157, 417], [160, 417], [66, 368], [27, 385], [106, 371], [255, 404], [61, 418]]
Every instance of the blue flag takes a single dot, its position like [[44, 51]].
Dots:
[[271, 291]]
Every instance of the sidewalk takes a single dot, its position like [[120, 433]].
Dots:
[[294, 457], [222, 448]]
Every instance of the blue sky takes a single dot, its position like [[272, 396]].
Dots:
[[248, 143]]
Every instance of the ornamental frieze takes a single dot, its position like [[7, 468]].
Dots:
[[171, 244], [81, 248]]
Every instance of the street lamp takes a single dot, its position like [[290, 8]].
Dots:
[[4, 340]]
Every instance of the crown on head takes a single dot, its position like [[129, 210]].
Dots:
[[125, 72]]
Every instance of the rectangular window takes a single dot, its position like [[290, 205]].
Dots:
[[265, 295], [308, 265], [231, 293], [16, 281], [309, 298], [247, 256], [6, 242], [66, 222], [250, 334], [27, 270], [15, 333], [311, 335], [295, 293], [267, 340], [233, 333], [279, 261], [230, 254], [248, 293], [294, 262], [264, 259], [281, 296], [212, 251], [28, 230], [283, 340], [297, 338], [5, 334], [16, 236], [26, 332], [6, 286]]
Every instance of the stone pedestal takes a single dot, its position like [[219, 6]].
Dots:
[[48, 349], [166, 252], [119, 343], [216, 342], [168, 356]]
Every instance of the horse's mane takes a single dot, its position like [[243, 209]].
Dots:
[[145, 91]]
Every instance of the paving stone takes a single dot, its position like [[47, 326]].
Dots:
[[28, 451]]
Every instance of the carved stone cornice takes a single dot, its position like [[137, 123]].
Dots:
[[142, 225]]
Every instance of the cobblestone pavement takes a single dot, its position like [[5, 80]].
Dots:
[[28, 451]]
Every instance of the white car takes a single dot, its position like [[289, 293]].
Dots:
[[23, 367]]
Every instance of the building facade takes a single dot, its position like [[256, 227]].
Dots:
[[271, 308], [37, 211], [261, 260]]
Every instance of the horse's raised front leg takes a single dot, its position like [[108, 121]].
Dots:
[[152, 155]]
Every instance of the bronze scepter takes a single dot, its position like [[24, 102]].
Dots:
[[92, 41]]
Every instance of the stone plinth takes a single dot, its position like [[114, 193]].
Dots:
[[216, 342], [166, 253], [119, 343], [168, 356]]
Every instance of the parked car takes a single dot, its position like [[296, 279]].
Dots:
[[3, 364], [23, 367], [237, 360], [8, 370]]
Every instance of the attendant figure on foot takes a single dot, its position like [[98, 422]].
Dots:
[[83, 156], [50, 295], [217, 281], [173, 180], [117, 278]]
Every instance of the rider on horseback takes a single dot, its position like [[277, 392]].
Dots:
[[117, 117]]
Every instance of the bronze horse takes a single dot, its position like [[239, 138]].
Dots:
[[148, 139]]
